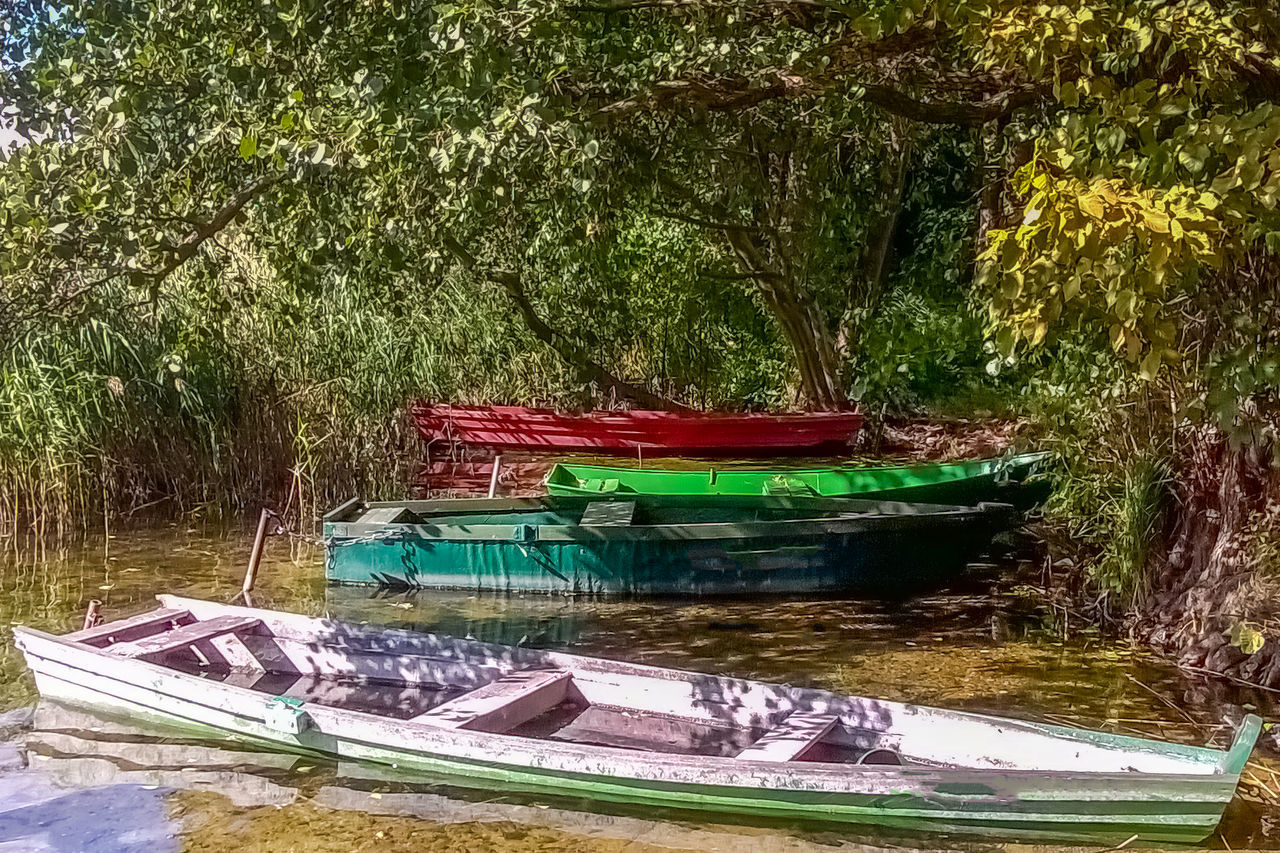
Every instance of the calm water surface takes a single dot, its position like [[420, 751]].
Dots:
[[81, 782]]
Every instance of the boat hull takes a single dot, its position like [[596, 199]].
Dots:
[[1003, 480], [1105, 807], [890, 555], [633, 432]]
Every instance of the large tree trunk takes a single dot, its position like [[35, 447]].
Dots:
[[865, 291], [818, 365], [1204, 581]]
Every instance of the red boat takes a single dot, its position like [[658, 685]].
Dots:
[[632, 431]]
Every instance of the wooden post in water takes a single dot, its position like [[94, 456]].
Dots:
[[93, 616], [255, 556], [493, 478]]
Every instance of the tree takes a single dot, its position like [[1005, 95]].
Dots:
[[395, 140]]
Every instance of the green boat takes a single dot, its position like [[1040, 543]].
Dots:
[[658, 544], [507, 719], [1006, 479]]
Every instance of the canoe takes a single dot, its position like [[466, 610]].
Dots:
[[658, 545], [637, 431], [548, 723], [1001, 479]]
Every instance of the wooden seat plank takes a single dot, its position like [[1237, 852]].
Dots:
[[184, 636], [384, 515], [504, 703], [609, 513], [133, 628], [791, 738]]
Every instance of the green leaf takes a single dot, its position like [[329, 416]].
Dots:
[[1247, 637], [1188, 158], [248, 147], [591, 149]]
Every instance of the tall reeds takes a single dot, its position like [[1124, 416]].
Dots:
[[239, 390]]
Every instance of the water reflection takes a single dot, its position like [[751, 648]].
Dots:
[[83, 752], [969, 649]]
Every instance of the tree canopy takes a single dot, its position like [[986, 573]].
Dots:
[[1120, 154]]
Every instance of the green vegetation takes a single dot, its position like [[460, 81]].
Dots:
[[242, 235]]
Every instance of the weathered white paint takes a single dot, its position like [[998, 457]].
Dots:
[[502, 704]]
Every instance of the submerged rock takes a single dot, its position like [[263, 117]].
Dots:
[[16, 721], [12, 757]]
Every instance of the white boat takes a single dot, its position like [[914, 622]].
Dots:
[[494, 716]]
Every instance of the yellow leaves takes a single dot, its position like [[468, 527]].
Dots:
[[1105, 248], [1093, 206], [1156, 220], [1248, 637]]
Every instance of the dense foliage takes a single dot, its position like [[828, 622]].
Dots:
[[716, 202]]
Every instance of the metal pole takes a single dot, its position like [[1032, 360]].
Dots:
[[255, 556], [493, 478], [93, 616]]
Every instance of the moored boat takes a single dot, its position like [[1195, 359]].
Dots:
[[1003, 479], [636, 431], [519, 719], [658, 545]]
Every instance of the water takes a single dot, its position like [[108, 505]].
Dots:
[[84, 782]]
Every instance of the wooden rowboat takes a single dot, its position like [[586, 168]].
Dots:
[[494, 716], [637, 431], [658, 545], [964, 483]]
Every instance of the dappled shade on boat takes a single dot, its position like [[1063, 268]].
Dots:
[[525, 720]]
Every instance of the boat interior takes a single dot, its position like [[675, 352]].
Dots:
[[624, 511], [499, 696], [468, 685]]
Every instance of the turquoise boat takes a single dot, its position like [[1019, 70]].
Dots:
[[689, 545], [1011, 479], [511, 719]]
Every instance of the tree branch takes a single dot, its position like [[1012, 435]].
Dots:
[[191, 244], [574, 355], [964, 97]]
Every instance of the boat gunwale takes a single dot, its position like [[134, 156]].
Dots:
[[424, 409], [1015, 461], [564, 479], [860, 517]]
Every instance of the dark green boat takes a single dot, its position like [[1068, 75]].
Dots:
[[658, 545], [1006, 479]]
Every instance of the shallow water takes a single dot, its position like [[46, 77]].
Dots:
[[81, 782]]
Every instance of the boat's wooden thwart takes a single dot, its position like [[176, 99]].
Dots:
[[1002, 479], [659, 544], [544, 722], [632, 431]]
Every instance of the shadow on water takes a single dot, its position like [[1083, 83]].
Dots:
[[969, 649]]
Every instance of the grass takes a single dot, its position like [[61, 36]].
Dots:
[[244, 391]]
